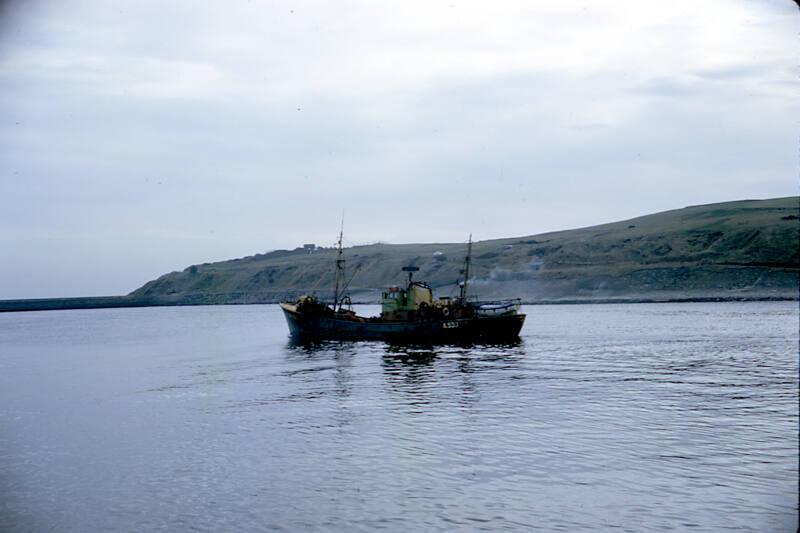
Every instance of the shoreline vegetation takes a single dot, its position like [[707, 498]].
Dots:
[[747, 250]]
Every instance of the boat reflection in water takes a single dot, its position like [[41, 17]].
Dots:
[[414, 375]]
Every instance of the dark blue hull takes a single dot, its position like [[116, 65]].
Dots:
[[315, 326]]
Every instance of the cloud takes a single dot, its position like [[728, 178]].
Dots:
[[201, 132]]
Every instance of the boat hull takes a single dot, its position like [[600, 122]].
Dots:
[[314, 326]]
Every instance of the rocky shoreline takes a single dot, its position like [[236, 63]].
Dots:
[[112, 302]]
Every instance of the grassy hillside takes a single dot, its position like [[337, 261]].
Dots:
[[747, 248]]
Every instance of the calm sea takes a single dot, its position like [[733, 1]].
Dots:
[[604, 417]]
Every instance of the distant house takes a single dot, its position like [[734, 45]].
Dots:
[[309, 247]]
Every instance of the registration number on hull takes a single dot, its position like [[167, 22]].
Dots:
[[450, 325]]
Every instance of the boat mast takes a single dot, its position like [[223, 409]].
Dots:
[[339, 267], [467, 262]]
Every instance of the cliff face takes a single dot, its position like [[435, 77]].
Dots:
[[748, 248]]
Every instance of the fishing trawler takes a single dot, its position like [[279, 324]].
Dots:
[[408, 314]]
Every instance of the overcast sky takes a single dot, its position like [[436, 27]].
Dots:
[[141, 137]]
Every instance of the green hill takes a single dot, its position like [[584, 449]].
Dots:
[[746, 249]]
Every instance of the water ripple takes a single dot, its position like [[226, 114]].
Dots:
[[642, 417]]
